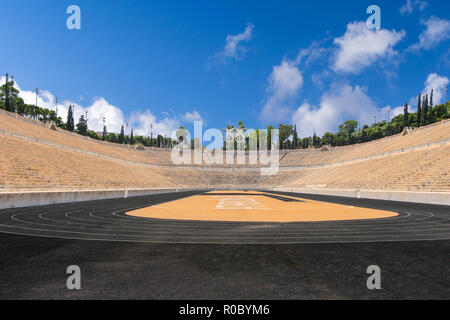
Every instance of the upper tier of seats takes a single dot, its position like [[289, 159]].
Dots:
[[288, 158], [33, 157], [14, 123], [426, 169], [429, 134]]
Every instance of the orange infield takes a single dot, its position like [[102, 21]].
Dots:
[[252, 206]]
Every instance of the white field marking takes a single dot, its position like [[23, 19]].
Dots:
[[239, 203]]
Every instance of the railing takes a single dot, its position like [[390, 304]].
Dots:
[[74, 134], [351, 146], [234, 169], [282, 151]]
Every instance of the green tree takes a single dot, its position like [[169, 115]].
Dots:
[[253, 135], [160, 141], [344, 135], [20, 106], [431, 98], [105, 133], [419, 111], [229, 127], [446, 103], [269, 137], [196, 143], [328, 138], [425, 111], [92, 134], [307, 142], [364, 137], [82, 127], [132, 137], [405, 115], [70, 122], [122, 136], [112, 137], [285, 132], [182, 135], [9, 97], [316, 141], [241, 125], [438, 113], [295, 138]]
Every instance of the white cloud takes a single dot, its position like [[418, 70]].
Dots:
[[310, 120], [314, 52], [284, 83], [438, 84], [410, 5], [114, 116], [96, 111], [436, 31], [360, 47], [233, 45], [345, 102], [286, 80], [390, 112], [192, 116], [142, 123], [435, 82], [341, 104], [318, 79]]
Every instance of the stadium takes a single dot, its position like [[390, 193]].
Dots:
[[60, 185], [196, 151]]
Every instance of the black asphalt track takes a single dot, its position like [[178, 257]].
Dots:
[[137, 258], [106, 220]]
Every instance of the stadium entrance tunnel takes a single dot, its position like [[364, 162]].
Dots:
[[252, 206]]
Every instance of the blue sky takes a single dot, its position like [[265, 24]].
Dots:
[[166, 63]]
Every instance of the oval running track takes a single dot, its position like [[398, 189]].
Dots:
[[105, 220]]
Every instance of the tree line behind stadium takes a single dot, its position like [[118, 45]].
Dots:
[[351, 132]]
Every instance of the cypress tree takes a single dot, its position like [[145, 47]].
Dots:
[[295, 144], [105, 132], [405, 116], [159, 144], [364, 136], [446, 102], [419, 111], [425, 110], [430, 116], [431, 98], [269, 137], [70, 122], [132, 137], [7, 94], [122, 135]]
